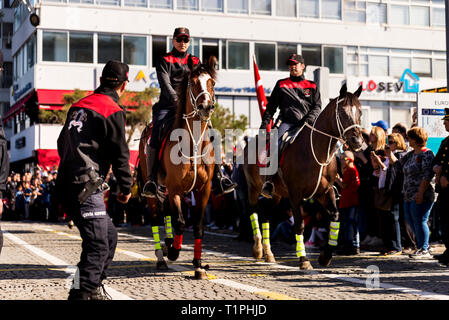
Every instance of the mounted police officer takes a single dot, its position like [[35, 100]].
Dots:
[[441, 168], [171, 69], [299, 102], [93, 139]]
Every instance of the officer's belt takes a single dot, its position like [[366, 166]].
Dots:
[[93, 214]]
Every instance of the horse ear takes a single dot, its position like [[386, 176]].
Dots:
[[190, 62], [343, 90], [213, 62], [359, 91]]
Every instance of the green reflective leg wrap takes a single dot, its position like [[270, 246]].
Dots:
[[333, 233], [300, 248], [168, 227], [157, 240], [266, 233], [255, 224]]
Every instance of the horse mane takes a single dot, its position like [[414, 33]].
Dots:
[[182, 89]]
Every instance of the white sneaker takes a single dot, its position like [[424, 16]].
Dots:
[[421, 254]]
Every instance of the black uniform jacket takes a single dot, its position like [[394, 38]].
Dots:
[[171, 69], [94, 136], [297, 98], [442, 157]]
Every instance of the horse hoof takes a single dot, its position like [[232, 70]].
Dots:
[[305, 265], [164, 249], [200, 274], [161, 265], [173, 253], [257, 252], [325, 258], [270, 258]]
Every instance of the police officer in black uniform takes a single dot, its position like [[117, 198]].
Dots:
[[171, 69], [93, 139], [441, 168], [299, 101]]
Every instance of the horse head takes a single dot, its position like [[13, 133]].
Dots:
[[200, 87], [348, 114]]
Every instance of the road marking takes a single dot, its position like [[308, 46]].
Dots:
[[116, 295]]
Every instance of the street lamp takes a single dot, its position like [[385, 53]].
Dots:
[[34, 18]]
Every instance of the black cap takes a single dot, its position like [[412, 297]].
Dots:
[[295, 58], [446, 114], [179, 32], [115, 71]]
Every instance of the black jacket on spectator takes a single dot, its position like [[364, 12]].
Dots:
[[4, 159]]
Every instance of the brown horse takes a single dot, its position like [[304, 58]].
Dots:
[[187, 161], [308, 170]]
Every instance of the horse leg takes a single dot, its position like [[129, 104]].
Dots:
[[175, 248], [264, 207], [257, 248], [326, 254], [161, 264], [304, 263], [198, 232], [168, 229]]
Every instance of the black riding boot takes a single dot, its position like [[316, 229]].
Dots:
[[268, 188], [150, 187], [220, 183]]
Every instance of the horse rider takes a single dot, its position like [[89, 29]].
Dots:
[[93, 139], [299, 102], [441, 168], [171, 69]]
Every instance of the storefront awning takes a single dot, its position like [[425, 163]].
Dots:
[[17, 107]]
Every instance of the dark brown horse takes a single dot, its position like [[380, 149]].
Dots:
[[308, 170], [187, 160]]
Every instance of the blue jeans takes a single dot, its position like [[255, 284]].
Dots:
[[350, 229], [391, 229], [417, 216]]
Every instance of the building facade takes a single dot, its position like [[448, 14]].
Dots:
[[394, 48]]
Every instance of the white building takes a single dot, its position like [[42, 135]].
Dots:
[[389, 45]]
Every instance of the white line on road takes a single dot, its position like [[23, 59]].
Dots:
[[116, 295]]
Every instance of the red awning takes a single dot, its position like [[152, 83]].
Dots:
[[17, 107]]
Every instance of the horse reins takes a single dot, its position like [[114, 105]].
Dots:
[[340, 127], [196, 144]]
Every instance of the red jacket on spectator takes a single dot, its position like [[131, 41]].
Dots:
[[349, 196]]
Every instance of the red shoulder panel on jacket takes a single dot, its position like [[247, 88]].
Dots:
[[172, 59], [304, 84], [99, 103]]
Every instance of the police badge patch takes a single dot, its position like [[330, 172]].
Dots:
[[78, 118], [307, 92]]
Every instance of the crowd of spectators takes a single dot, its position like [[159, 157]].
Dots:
[[385, 202]]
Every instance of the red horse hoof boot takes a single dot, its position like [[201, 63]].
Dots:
[[305, 264], [325, 257], [161, 265], [173, 253]]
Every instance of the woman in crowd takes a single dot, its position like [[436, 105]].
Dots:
[[418, 193]]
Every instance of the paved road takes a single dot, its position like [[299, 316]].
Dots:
[[38, 258]]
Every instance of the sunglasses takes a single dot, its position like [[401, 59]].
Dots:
[[185, 39]]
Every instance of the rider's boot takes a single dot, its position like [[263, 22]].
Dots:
[[220, 183], [150, 187], [268, 188]]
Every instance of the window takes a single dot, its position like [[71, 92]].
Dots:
[[439, 69], [135, 3], [355, 11], [6, 75], [81, 1], [108, 2], [81, 47], [333, 59], [187, 4], [265, 56], [212, 5], [7, 31], [261, 7], [311, 55], [223, 54], [331, 9], [158, 48], [399, 15], [284, 51], [422, 67], [162, 4], [109, 47], [194, 47], [419, 16], [309, 8], [378, 65], [238, 6], [135, 50], [438, 17], [31, 52], [376, 13], [54, 46], [238, 55], [210, 48], [286, 8], [398, 65]]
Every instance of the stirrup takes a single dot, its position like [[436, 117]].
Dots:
[[227, 185], [149, 189], [267, 190]]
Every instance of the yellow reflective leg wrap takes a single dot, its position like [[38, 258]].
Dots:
[[168, 227], [333, 233], [255, 224], [266, 233], [157, 240], [300, 248]]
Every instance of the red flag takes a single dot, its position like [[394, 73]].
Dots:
[[261, 99]]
